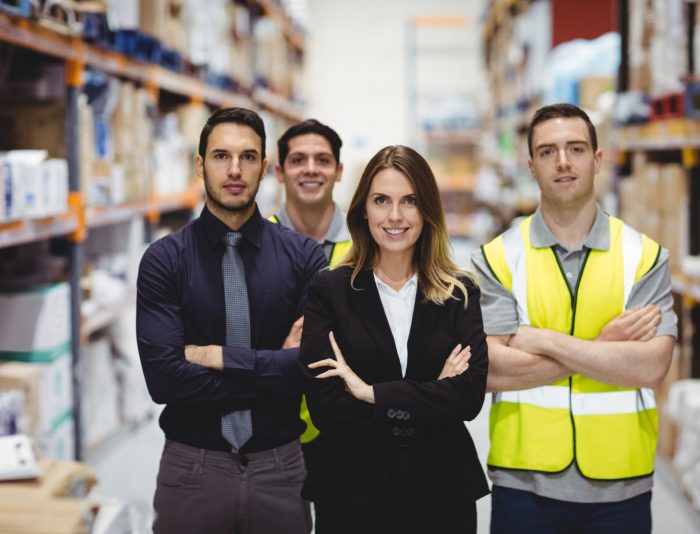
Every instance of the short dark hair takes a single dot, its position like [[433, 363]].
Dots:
[[560, 111], [309, 126], [242, 116]]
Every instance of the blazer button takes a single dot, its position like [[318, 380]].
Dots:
[[399, 414], [410, 431], [391, 413], [396, 431], [406, 416]]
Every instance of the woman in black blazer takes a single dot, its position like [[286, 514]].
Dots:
[[396, 340]]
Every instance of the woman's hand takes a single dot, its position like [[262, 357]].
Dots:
[[457, 362], [353, 383]]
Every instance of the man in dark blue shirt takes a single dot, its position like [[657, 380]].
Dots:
[[205, 484]]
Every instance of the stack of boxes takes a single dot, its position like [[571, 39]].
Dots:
[[654, 200], [36, 361]]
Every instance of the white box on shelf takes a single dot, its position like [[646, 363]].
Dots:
[[55, 185], [35, 319], [59, 444], [100, 395]]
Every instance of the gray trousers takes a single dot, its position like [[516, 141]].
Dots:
[[213, 492]]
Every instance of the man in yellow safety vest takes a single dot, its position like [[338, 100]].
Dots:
[[309, 166], [579, 316]]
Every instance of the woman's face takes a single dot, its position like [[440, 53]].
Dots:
[[394, 220]]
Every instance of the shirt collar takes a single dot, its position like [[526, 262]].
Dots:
[[215, 229], [410, 284], [337, 231], [598, 238]]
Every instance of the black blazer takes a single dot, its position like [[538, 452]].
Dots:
[[418, 417]]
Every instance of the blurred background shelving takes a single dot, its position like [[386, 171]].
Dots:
[[102, 103]]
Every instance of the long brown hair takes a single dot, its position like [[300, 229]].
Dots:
[[437, 272]]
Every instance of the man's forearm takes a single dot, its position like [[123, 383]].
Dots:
[[513, 369], [622, 363]]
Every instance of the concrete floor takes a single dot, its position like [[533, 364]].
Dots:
[[127, 467]]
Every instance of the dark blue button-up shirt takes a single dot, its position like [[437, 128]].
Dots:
[[181, 302]]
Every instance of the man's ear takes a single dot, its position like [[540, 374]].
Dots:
[[339, 174], [199, 165], [279, 173]]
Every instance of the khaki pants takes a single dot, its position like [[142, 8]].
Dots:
[[211, 492]]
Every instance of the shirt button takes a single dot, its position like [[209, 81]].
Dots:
[[569, 275]]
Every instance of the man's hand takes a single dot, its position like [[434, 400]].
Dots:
[[293, 339], [211, 356], [637, 324], [529, 339]]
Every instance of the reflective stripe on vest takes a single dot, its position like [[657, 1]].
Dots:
[[609, 431], [339, 251]]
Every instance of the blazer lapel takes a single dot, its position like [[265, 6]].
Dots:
[[422, 326], [368, 306]]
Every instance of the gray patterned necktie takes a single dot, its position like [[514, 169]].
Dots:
[[236, 426]]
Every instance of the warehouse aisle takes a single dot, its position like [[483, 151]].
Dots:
[[127, 470]]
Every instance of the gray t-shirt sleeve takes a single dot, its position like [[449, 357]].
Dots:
[[498, 306], [655, 288]]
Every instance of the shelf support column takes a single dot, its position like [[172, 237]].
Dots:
[[74, 71]]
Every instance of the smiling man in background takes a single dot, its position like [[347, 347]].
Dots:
[[309, 167]]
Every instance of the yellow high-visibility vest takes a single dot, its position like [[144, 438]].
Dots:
[[338, 252], [609, 431]]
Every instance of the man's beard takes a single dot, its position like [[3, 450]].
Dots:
[[231, 209]]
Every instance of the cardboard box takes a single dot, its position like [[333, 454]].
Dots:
[[651, 186], [152, 16], [38, 126], [59, 478], [35, 320], [674, 187], [591, 87], [48, 399], [20, 515]]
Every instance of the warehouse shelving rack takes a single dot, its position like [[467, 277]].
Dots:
[[74, 226]]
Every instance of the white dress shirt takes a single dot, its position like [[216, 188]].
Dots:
[[398, 308]]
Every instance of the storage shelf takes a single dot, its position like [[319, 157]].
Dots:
[[26, 231], [35, 37], [686, 288], [457, 137], [97, 216], [276, 102], [672, 134], [103, 317], [291, 33]]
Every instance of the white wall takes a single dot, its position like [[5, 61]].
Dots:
[[356, 57]]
